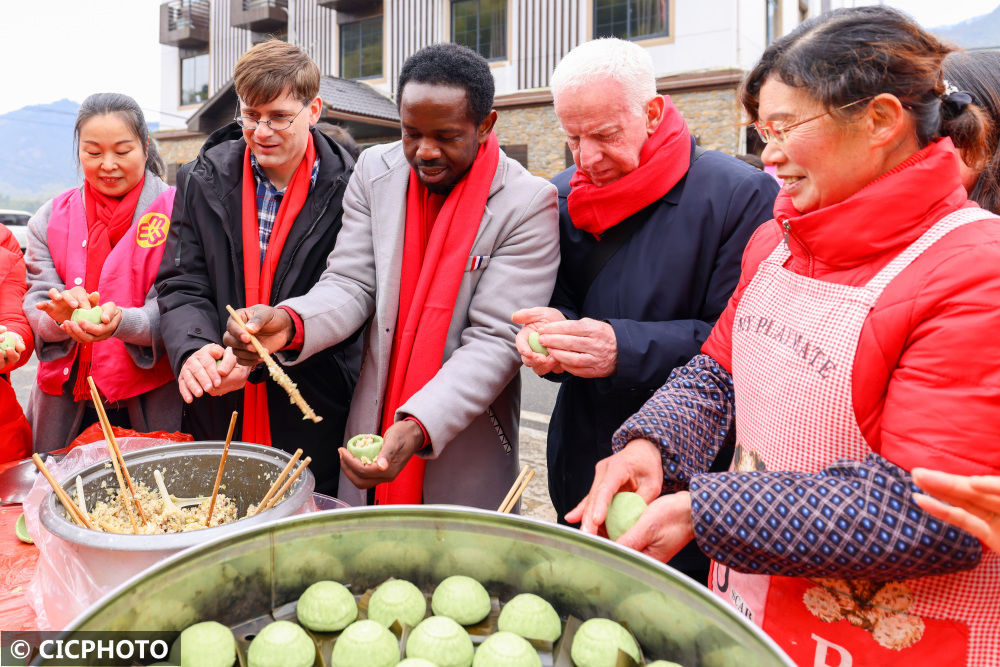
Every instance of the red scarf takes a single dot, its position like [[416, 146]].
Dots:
[[108, 220], [663, 161], [432, 270], [257, 279]]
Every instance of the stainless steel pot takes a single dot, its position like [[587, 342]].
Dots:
[[245, 578], [189, 469]]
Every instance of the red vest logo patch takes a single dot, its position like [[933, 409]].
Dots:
[[152, 230]]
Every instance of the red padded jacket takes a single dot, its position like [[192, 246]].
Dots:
[[15, 434], [927, 369]]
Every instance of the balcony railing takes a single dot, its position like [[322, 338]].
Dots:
[[184, 23], [259, 15]]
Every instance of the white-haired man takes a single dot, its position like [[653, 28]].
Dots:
[[652, 230]]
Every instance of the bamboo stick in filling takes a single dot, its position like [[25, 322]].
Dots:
[[277, 374]]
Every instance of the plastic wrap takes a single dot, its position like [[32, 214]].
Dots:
[[17, 564], [94, 433], [62, 587]]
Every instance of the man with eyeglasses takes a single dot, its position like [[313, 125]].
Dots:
[[255, 217]]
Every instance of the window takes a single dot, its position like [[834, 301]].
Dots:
[[481, 25], [194, 79], [773, 20], [630, 19], [361, 48]]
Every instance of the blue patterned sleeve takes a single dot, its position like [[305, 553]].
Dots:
[[854, 519], [689, 418]]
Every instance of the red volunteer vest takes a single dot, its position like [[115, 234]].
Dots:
[[126, 278]]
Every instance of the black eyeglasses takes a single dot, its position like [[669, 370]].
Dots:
[[276, 124], [768, 133]]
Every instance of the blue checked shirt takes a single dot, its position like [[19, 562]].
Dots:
[[269, 200]]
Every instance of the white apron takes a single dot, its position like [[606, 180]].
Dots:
[[794, 342]]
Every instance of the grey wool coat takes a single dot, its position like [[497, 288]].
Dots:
[[471, 407]]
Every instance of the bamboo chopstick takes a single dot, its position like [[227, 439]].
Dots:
[[520, 490], [277, 482], [222, 465], [291, 480], [511, 498], [277, 374], [117, 462], [71, 508]]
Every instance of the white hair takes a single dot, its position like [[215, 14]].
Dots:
[[598, 60]]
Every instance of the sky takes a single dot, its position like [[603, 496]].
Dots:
[[54, 49], [939, 13]]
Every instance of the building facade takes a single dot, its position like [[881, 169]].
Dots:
[[700, 50]]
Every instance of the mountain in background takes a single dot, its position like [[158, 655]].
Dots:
[[980, 32], [38, 160]]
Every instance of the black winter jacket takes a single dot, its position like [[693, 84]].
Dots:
[[202, 271]]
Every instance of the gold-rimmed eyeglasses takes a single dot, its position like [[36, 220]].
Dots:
[[768, 132], [276, 124]]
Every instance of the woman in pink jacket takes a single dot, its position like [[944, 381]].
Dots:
[[861, 342], [99, 246]]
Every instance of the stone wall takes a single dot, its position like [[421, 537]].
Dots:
[[712, 115], [538, 128], [178, 149]]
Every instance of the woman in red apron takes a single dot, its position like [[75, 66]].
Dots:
[[863, 340], [100, 245]]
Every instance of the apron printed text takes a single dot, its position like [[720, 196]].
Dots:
[[796, 341]]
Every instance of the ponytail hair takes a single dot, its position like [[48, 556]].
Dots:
[[978, 75], [100, 104]]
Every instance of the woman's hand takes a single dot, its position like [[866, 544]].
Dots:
[[61, 304], [400, 442], [974, 502], [663, 529], [88, 332], [10, 356], [636, 468]]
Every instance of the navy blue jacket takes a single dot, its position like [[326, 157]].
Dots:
[[661, 291]]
